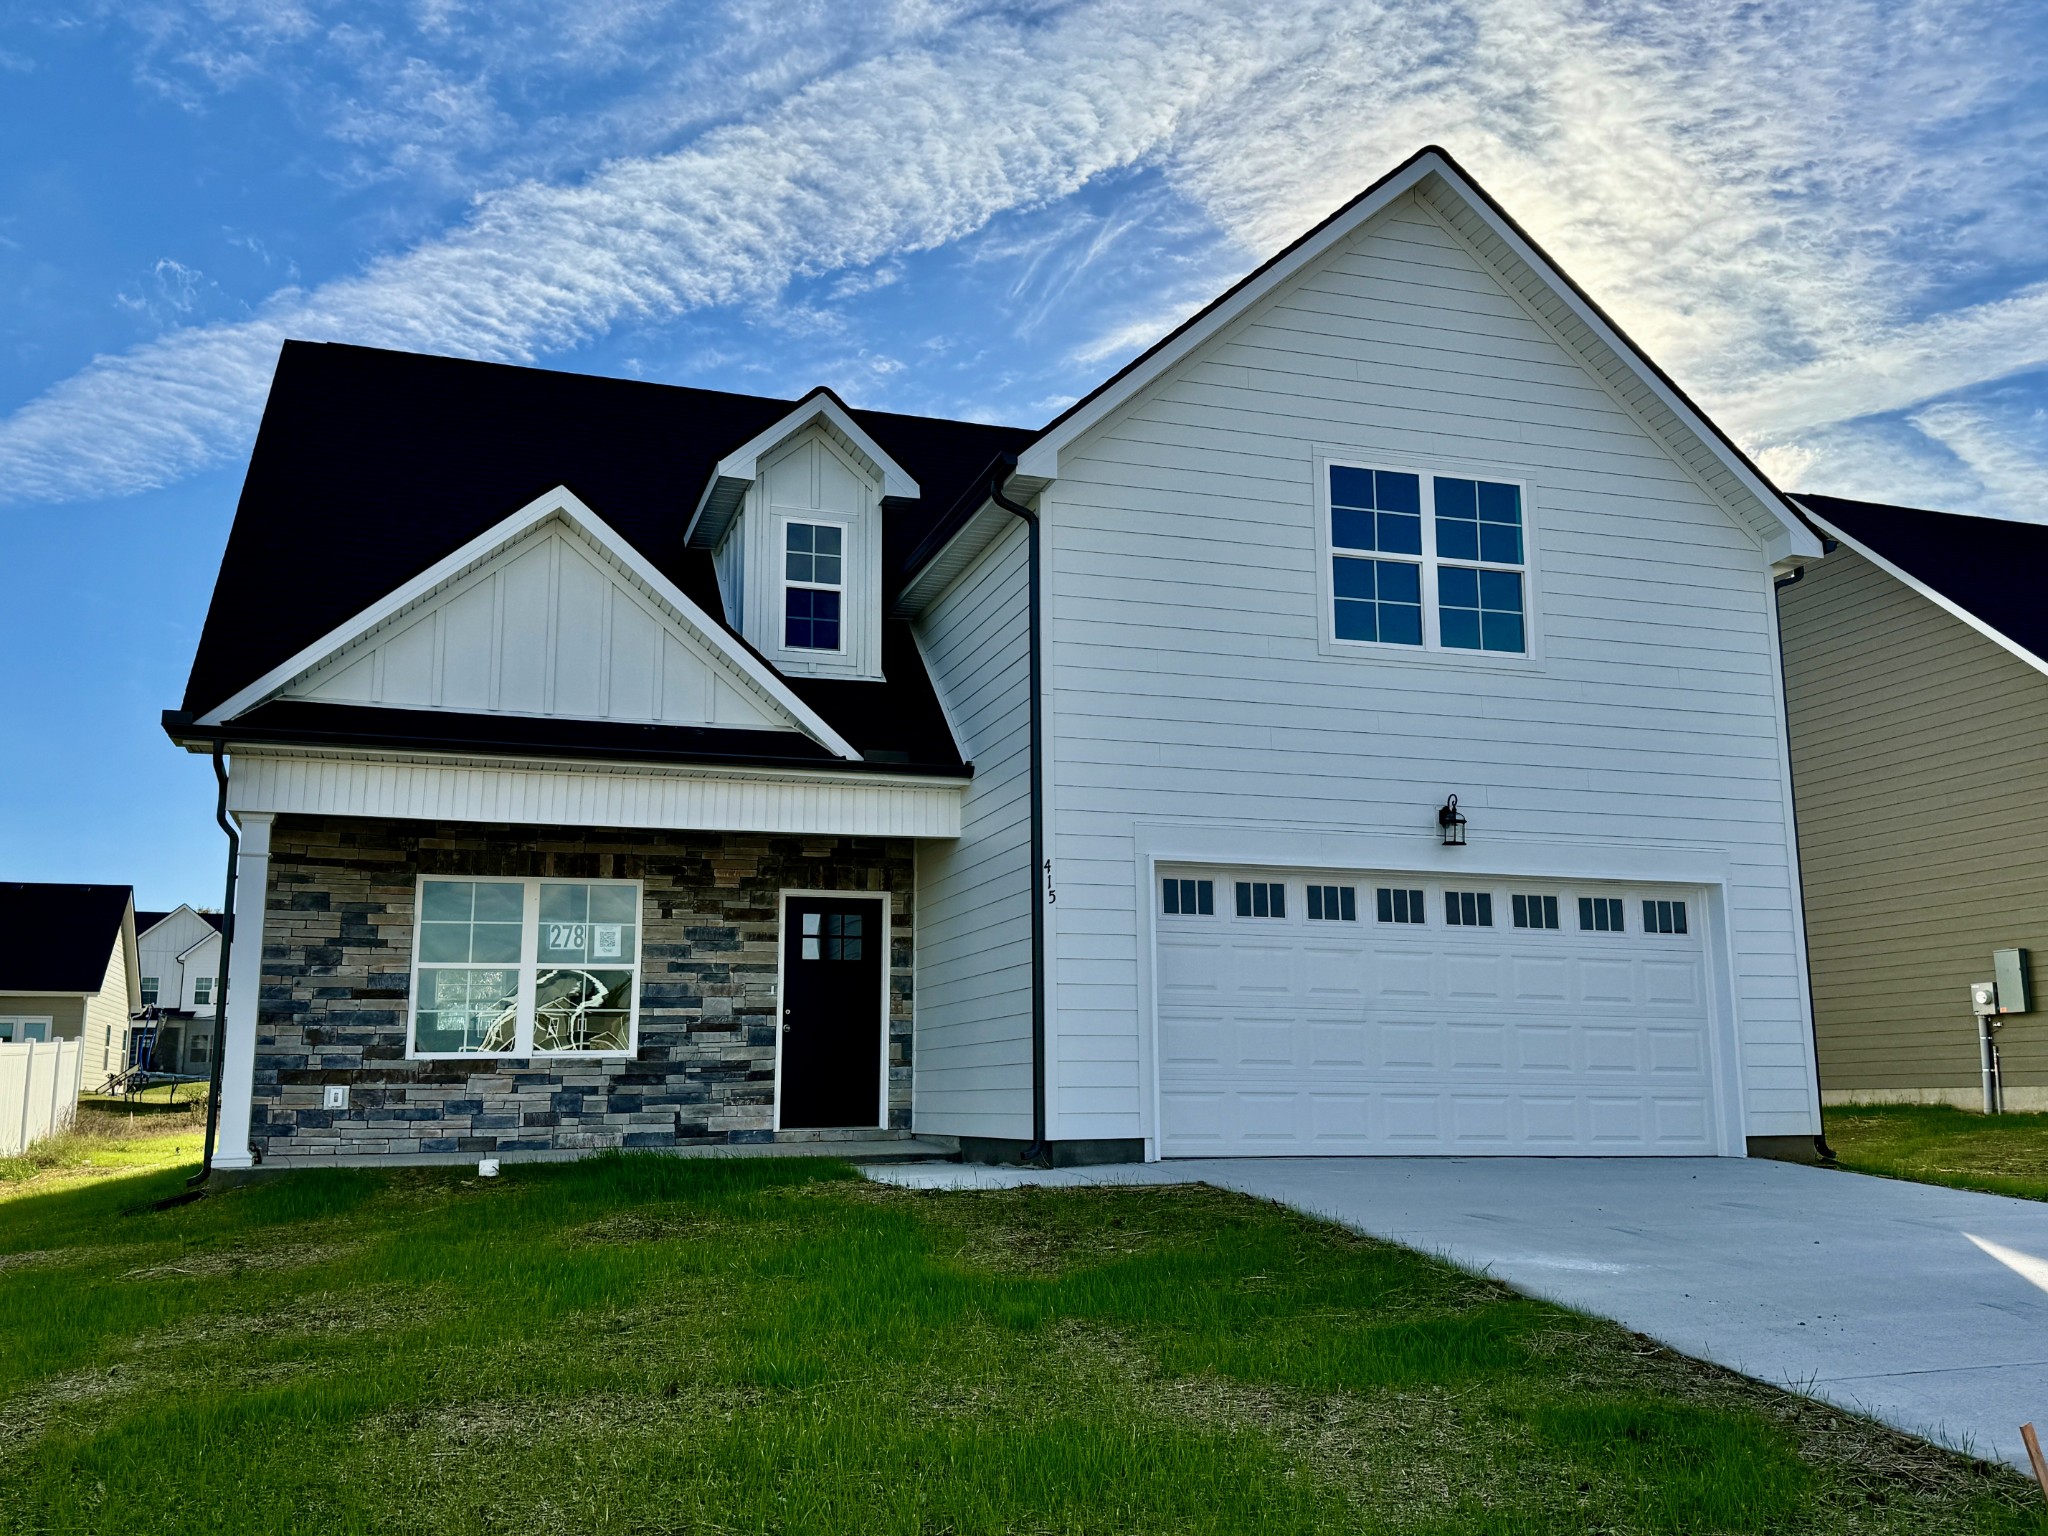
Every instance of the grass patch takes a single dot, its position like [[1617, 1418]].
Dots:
[[1937, 1144], [642, 1344], [108, 1139]]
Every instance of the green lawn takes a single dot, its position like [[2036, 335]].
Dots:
[[109, 1139], [2001, 1154], [648, 1345]]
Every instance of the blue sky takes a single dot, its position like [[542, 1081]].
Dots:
[[1823, 220]]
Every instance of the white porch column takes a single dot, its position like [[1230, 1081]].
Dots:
[[237, 1031]]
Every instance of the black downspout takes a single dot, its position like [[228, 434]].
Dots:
[[1037, 1152], [220, 985], [1821, 1148]]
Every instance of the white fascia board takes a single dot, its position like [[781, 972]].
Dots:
[[212, 934], [740, 468], [561, 500], [1042, 457], [1945, 604]]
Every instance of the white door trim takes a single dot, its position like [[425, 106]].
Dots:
[[781, 931]]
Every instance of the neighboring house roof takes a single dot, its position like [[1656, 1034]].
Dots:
[[144, 921], [1986, 571], [371, 466], [58, 938]]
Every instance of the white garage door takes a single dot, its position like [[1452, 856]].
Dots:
[[1400, 1015]]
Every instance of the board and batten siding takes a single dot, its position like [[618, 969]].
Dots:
[[1191, 688], [1920, 762], [973, 915]]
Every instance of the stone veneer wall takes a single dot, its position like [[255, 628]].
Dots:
[[337, 962]]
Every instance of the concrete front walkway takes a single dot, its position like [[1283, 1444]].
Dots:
[[1924, 1308]]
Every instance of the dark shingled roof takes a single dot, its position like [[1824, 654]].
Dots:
[[1987, 566], [370, 465], [58, 938]]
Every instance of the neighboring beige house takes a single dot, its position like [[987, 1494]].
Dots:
[[180, 962], [68, 969], [1918, 697]]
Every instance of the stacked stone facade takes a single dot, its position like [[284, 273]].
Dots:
[[337, 971]]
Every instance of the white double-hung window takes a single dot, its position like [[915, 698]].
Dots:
[[813, 585], [526, 967], [1429, 561]]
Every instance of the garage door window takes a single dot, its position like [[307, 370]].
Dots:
[[1258, 898], [1600, 914], [1663, 917], [1400, 906], [1189, 898], [1333, 904], [1468, 909], [1535, 911]]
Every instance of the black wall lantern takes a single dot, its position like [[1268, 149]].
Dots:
[[1452, 823]]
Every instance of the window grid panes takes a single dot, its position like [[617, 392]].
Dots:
[[1333, 904], [1535, 911], [1402, 541], [814, 585], [1399, 906], [1260, 898], [1663, 917], [1479, 605], [526, 967], [202, 991], [149, 990], [1189, 898], [1376, 512], [1600, 914], [1468, 909]]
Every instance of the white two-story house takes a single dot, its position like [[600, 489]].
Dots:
[[180, 957], [1354, 728]]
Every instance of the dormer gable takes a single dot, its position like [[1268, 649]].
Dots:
[[794, 520], [551, 614]]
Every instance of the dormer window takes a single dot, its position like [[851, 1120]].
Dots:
[[813, 586]]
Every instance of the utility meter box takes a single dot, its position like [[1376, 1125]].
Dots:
[[2009, 968], [1984, 999]]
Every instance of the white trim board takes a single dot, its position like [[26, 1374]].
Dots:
[[720, 502], [888, 937], [1431, 174], [556, 793], [560, 502], [1947, 605]]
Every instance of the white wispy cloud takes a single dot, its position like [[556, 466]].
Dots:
[[1760, 193]]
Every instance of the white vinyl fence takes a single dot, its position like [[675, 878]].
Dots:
[[39, 1083]]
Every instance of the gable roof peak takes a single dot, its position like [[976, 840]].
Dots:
[[726, 489], [1435, 178]]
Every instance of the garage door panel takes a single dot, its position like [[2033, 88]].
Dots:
[[1408, 1046], [1290, 1035], [1338, 1043], [1482, 1046], [1541, 1048], [1413, 1118]]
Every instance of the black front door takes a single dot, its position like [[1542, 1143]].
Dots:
[[832, 953]]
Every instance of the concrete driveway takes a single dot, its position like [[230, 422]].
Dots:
[[1924, 1308]]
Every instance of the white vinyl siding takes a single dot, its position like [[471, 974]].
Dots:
[[1191, 684], [973, 1057]]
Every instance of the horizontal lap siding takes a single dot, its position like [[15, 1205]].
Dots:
[[1920, 757], [1188, 685], [974, 919]]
